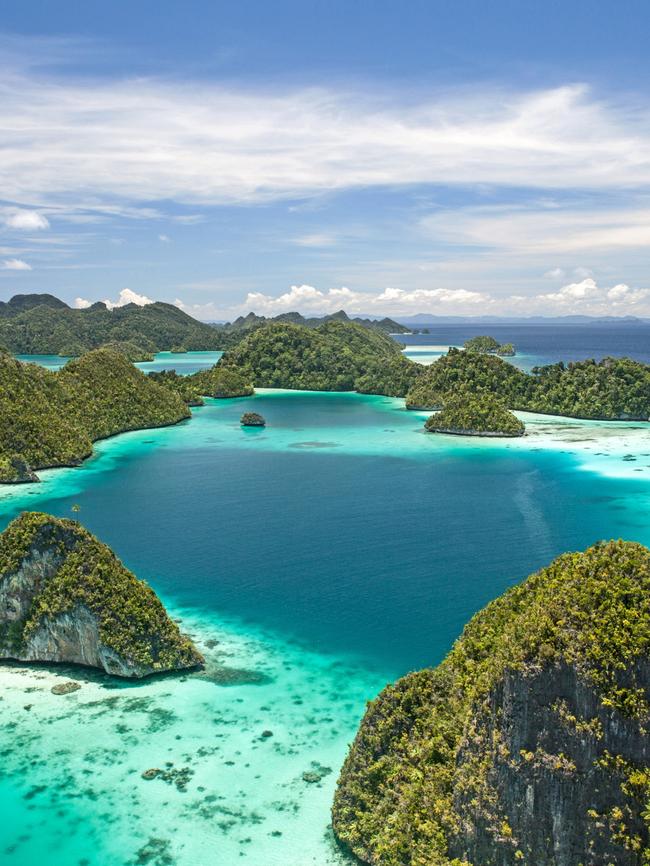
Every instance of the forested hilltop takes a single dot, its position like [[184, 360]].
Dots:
[[528, 745], [42, 324], [611, 389], [335, 356], [52, 418], [233, 332]]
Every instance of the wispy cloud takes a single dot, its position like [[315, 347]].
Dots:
[[147, 140], [543, 229], [16, 265], [315, 240]]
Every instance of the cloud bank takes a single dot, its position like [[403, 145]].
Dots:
[[148, 140], [584, 297]]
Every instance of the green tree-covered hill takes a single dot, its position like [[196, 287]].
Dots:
[[41, 324], [529, 743], [335, 356], [614, 388], [52, 418], [468, 414]]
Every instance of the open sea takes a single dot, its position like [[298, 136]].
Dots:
[[313, 561]]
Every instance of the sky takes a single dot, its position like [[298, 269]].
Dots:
[[388, 158]]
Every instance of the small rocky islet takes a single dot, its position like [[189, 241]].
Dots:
[[66, 598]]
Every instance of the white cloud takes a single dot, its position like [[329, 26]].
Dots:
[[426, 299], [16, 265], [25, 220], [547, 230], [315, 240], [556, 274], [588, 298], [146, 140], [164, 239], [127, 296]]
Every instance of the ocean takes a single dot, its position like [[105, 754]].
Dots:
[[313, 561]]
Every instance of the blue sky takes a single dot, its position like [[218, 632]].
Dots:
[[385, 157]]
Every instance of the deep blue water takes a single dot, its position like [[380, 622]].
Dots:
[[547, 344], [383, 555]]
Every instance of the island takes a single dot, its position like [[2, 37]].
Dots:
[[335, 356], [613, 389], [252, 419], [51, 419], [488, 345], [529, 743], [467, 414], [222, 382], [43, 324], [66, 597]]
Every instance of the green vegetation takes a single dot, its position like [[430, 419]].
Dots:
[[468, 370], [41, 324], [488, 345], [233, 333], [252, 419], [130, 350], [336, 356], [432, 773], [52, 418], [132, 621], [614, 388], [470, 414], [178, 350], [185, 386], [220, 381]]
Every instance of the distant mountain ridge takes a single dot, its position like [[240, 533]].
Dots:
[[43, 324], [252, 320], [429, 319]]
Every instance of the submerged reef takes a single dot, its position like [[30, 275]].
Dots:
[[66, 597], [528, 745]]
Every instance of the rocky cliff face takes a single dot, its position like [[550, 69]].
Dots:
[[529, 744], [65, 597], [556, 790]]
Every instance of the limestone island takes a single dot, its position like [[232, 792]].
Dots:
[[50, 419], [613, 389], [489, 346], [252, 419], [66, 597], [481, 414], [528, 745]]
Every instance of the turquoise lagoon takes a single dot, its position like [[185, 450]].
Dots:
[[312, 561], [183, 362]]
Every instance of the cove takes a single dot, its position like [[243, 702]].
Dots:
[[313, 561]]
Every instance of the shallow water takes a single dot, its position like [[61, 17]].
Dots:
[[327, 553], [183, 362]]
